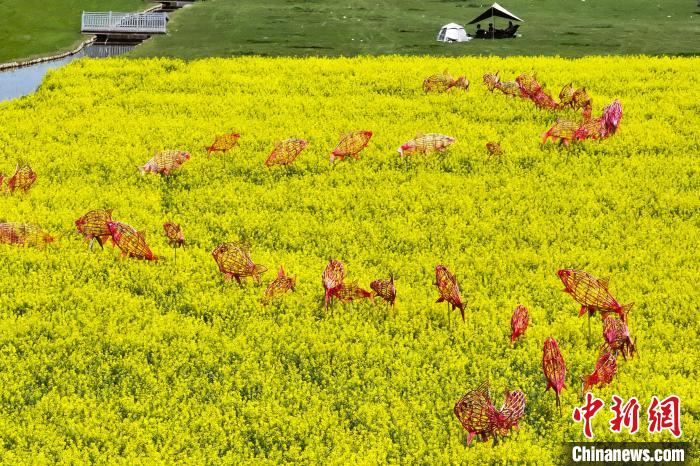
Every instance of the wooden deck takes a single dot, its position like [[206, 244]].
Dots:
[[123, 23]]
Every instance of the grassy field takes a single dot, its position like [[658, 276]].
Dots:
[[126, 362], [34, 28], [567, 28]]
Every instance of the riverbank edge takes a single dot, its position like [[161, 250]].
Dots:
[[23, 63]]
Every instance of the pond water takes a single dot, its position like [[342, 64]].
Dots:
[[23, 81]]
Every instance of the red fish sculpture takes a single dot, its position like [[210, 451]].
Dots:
[[132, 243], [491, 80], [518, 322], [617, 337], [351, 292], [444, 82], [478, 416], [23, 179], [385, 289], [448, 288], [24, 234], [566, 96], [509, 88], [332, 277], [426, 144], [531, 89], [234, 261], [165, 162], [280, 285], [223, 143], [351, 144], [476, 413], [582, 101], [603, 127], [563, 131], [554, 367], [286, 152], [94, 226], [605, 370], [528, 85], [592, 293], [174, 234], [494, 148], [510, 413]]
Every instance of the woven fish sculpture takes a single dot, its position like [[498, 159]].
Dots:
[[518, 322], [531, 89], [426, 144], [223, 143], [511, 412], [165, 162], [234, 261], [348, 292], [332, 277], [448, 288], [476, 413], [280, 285], [385, 289], [591, 293], [554, 367], [605, 370], [94, 226], [286, 152], [24, 234], [478, 416], [174, 234], [602, 127], [23, 179], [444, 82], [494, 148], [132, 243], [350, 145], [617, 337]]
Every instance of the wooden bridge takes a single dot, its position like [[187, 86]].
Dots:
[[123, 23]]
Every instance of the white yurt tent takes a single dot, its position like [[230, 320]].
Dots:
[[452, 33]]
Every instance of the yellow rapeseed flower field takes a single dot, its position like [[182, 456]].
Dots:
[[117, 361]]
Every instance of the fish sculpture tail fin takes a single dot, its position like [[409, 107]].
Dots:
[[461, 309], [257, 271]]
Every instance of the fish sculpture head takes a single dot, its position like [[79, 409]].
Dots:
[[407, 148], [566, 277]]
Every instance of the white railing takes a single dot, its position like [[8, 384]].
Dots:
[[150, 23]]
